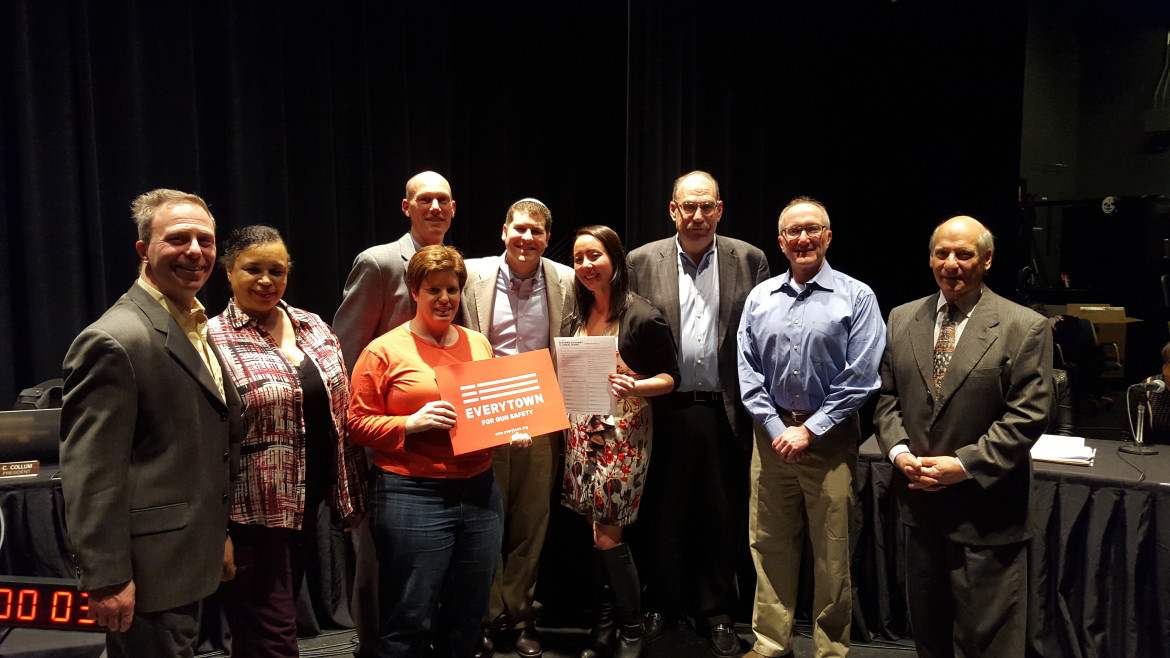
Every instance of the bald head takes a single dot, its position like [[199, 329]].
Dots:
[[425, 179], [430, 207], [960, 254], [985, 240]]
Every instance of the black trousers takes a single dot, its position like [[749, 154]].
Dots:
[[966, 600], [694, 511], [166, 634]]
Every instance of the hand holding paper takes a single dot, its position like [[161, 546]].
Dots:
[[622, 386]]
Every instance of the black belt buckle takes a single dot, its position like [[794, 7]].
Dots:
[[705, 396], [798, 416]]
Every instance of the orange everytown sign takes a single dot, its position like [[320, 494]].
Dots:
[[496, 398]]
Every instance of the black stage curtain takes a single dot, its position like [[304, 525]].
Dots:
[[310, 116]]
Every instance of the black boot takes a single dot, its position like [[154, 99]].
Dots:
[[627, 596], [601, 638]]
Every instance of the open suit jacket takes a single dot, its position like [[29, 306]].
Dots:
[[479, 296], [993, 405], [148, 453], [741, 267], [376, 298]]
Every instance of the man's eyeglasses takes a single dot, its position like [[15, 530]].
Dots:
[[814, 231], [689, 208]]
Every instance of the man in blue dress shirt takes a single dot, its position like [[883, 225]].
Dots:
[[810, 344]]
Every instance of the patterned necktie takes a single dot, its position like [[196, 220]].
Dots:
[[944, 348]]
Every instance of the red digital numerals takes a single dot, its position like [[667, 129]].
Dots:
[[24, 607]]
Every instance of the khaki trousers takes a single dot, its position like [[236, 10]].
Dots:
[[821, 488], [525, 478]]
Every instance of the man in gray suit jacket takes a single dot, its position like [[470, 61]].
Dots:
[[150, 442], [520, 301], [966, 391], [699, 473], [376, 299]]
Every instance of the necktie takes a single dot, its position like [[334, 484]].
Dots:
[[523, 287], [944, 347]]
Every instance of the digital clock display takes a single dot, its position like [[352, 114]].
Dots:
[[55, 603]]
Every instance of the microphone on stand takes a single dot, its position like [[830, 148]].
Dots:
[[1152, 386], [1147, 387]]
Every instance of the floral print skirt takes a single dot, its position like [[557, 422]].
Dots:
[[605, 462]]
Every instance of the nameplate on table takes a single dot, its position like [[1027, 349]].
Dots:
[[29, 469], [496, 398]]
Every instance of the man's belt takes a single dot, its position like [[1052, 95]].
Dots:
[[699, 397], [798, 416]]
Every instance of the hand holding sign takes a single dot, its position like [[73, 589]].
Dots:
[[437, 415]]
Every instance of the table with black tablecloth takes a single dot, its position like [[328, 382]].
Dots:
[[1099, 564]]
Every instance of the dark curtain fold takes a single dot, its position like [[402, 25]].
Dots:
[[311, 116]]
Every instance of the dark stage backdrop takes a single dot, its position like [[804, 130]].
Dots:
[[310, 116]]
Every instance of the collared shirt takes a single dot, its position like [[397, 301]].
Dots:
[[816, 351], [519, 313], [966, 307], [698, 306], [271, 488], [193, 322]]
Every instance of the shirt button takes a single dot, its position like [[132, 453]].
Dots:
[[798, 395], [796, 372]]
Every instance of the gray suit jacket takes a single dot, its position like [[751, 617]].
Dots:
[[993, 405], [741, 267], [376, 298], [479, 296], [148, 453]]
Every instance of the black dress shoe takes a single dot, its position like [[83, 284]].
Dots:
[[486, 647], [528, 643], [655, 623], [724, 641]]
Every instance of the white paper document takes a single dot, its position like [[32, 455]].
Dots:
[[1063, 450], [584, 364]]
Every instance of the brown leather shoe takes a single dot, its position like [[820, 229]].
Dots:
[[528, 643]]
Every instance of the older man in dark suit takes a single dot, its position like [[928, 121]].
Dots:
[[966, 391], [698, 477], [150, 442]]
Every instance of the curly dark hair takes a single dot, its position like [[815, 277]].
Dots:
[[248, 236]]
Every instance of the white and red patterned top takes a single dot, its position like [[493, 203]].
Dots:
[[272, 485]]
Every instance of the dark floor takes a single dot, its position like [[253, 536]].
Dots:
[[681, 643]]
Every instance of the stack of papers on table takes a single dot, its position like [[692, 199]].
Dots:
[[1063, 450]]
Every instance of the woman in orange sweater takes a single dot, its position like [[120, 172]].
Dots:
[[437, 518]]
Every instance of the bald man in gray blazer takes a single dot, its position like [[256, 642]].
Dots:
[[966, 390]]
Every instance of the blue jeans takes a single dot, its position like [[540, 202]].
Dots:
[[437, 541]]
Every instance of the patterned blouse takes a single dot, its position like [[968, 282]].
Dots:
[[272, 484]]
